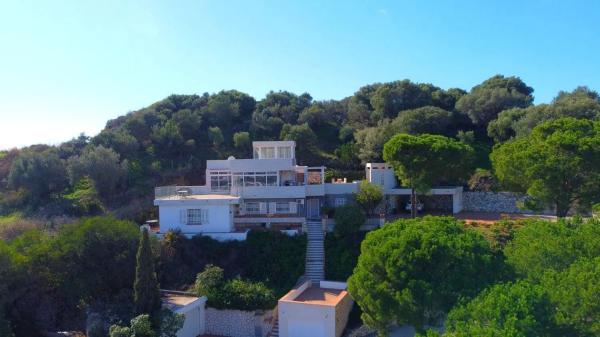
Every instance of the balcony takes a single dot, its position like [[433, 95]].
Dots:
[[260, 192], [181, 192]]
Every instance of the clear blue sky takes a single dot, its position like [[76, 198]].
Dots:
[[68, 66]]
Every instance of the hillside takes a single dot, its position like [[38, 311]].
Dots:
[[169, 141]]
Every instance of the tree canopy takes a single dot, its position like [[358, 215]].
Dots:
[[488, 99], [413, 271], [516, 309], [557, 165], [542, 246], [422, 161]]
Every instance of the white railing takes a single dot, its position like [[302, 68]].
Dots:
[[180, 192]]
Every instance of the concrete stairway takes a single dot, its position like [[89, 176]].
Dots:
[[315, 251], [275, 329]]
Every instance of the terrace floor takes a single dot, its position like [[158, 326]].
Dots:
[[316, 295]]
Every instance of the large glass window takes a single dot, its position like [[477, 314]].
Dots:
[[260, 178], [197, 216], [220, 181]]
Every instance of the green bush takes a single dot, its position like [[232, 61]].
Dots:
[[234, 293], [348, 219], [341, 255], [209, 282], [368, 196], [273, 258], [246, 295]]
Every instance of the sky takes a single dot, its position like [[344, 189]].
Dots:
[[67, 67]]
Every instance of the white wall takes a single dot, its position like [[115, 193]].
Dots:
[[220, 218], [298, 319], [195, 318], [381, 174]]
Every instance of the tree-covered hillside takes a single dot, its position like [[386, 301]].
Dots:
[[169, 141]]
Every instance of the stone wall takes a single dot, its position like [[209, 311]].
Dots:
[[497, 202], [237, 323]]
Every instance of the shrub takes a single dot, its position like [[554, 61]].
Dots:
[[368, 196], [209, 281], [246, 295], [234, 293], [483, 181], [341, 255], [348, 219], [273, 258]]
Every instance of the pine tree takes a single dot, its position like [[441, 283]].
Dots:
[[146, 290]]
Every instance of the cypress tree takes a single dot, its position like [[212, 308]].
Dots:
[[146, 290]]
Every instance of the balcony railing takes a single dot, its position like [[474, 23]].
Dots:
[[180, 192]]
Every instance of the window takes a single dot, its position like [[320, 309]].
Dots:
[[267, 152], [272, 179], [339, 202], [249, 180], [259, 178], [252, 207], [220, 181], [284, 152], [282, 207], [197, 216]]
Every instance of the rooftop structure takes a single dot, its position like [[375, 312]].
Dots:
[[314, 309]]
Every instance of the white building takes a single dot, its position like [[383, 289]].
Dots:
[[314, 310], [270, 190], [191, 307]]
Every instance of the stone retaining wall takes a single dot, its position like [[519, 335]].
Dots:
[[495, 202], [238, 323]]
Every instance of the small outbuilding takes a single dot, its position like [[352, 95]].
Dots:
[[192, 307], [315, 310]]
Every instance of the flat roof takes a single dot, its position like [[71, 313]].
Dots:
[[273, 142], [202, 197], [316, 295], [176, 301]]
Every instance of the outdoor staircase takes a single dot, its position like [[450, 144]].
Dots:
[[275, 329], [315, 251]]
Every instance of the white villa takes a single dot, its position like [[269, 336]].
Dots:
[[271, 191]]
